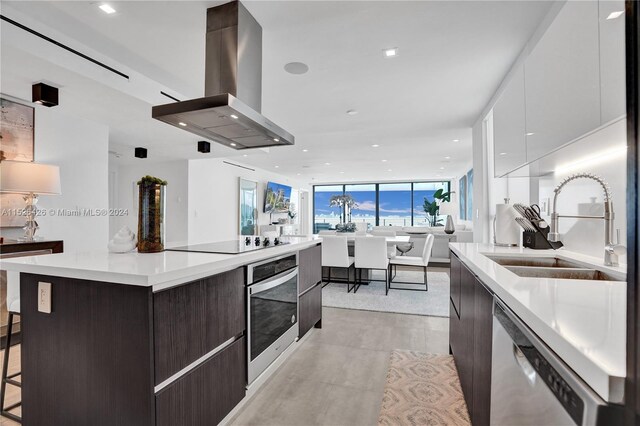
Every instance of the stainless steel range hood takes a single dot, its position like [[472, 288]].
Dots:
[[230, 111]]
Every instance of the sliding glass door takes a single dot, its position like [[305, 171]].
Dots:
[[394, 204], [365, 208]]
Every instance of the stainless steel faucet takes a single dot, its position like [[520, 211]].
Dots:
[[611, 250]]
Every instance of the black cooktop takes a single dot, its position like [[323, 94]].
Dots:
[[232, 247]]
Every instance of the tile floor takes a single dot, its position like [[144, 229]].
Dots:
[[337, 375]]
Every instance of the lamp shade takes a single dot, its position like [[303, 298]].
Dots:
[[24, 177], [447, 208]]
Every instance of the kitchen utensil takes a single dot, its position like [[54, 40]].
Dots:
[[525, 224]]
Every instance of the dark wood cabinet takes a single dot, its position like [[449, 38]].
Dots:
[[90, 361], [464, 356], [482, 338], [470, 337], [310, 306], [310, 268], [309, 289], [193, 319], [206, 394], [454, 273]]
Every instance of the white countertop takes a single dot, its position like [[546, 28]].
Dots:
[[582, 321], [157, 270]]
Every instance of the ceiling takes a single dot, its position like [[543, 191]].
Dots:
[[452, 57]]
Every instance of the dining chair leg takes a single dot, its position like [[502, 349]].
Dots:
[[349, 286], [426, 283], [386, 282]]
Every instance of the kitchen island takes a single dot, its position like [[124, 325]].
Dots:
[[143, 339]]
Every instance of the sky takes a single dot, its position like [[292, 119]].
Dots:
[[392, 203]]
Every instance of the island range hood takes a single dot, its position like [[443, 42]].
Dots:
[[230, 111]]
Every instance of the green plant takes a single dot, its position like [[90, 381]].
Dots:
[[432, 208], [150, 180]]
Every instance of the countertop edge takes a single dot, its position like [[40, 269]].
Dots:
[[160, 280]]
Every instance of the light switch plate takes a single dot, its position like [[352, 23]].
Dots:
[[44, 297]]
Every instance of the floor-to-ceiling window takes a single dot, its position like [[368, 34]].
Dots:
[[422, 190], [394, 204], [365, 198], [383, 204], [325, 216]]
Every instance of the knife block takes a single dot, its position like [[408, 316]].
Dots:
[[538, 240]]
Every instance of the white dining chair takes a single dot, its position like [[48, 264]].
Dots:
[[391, 250], [371, 253], [13, 306], [335, 254], [327, 232], [413, 261]]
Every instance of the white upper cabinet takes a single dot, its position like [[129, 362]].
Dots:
[[562, 80], [509, 144], [612, 62]]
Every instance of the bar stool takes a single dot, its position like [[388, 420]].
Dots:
[[335, 254], [371, 253], [13, 306]]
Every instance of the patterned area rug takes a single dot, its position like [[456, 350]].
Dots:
[[422, 389], [434, 302]]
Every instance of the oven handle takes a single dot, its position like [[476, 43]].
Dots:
[[274, 281]]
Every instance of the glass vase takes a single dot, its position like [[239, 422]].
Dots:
[[151, 209]]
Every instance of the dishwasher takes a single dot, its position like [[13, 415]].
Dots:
[[530, 385]]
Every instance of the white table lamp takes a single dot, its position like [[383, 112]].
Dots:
[[449, 209], [30, 179]]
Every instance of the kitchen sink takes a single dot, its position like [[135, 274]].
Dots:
[[564, 272], [543, 262]]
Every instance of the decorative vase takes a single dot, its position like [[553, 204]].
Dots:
[[151, 209], [449, 227]]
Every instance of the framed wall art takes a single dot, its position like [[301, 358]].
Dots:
[[17, 122]]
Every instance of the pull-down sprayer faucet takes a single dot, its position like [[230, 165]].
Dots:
[[611, 250]]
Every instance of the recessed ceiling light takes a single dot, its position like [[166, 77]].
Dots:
[[447, 158], [352, 112], [276, 140], [375, 145], [107, 9], [384, 161], [232, 144], [305, 150], [341, 173], [245, 155], [503, 153], [277, 167], [456, 140], [530, 134], [296, 68], [182, 124], [441, 168], [390, 53], [614, 15], [298, 174], [389, 170], [234, 116], [327, 164]]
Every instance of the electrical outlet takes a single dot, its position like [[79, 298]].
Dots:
[[44, 297]]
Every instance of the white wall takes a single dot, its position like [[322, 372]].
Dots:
[[126, 196], [80, 148], [587, 236], [213, 198]]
